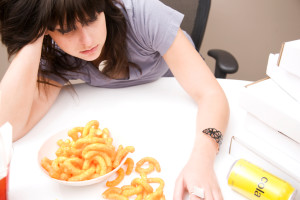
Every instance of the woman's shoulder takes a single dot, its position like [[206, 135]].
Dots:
[[152, 23], [144, 7]]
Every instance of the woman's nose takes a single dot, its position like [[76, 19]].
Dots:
[[85, 37]]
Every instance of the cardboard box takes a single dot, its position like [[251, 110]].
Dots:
[[262, 155], [287, 81], [289, 58], [269, 103], [271, 136]]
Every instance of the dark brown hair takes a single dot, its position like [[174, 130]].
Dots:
[[22, 22]]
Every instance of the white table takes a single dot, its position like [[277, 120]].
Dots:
[[158, 119]]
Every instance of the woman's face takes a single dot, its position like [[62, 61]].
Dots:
[[85, 42]]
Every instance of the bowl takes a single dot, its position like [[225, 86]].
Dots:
[[48, 149]]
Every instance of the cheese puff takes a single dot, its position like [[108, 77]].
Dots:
[[57, 162], [63, 143], [98, 170], [92, 132], [115, 190], [88, 140], [75, 152], [107, 161], [73, 165], [87, 164], [149, 160], [54, 174], [105, 133], [108, 140], [60, 142], [73, 133], [155, 195], [130, 164], [89, 156], [145, 171], [118, 153], [46, 164], [157, 180], [85, 175], [98, 132], [64, 176], [63, 151], [127, 187], [109, 149], [122, 154], [86, 130], [138, 181], [130, 191], [118, 180], [95, 176], [143, 176], [102, 165]]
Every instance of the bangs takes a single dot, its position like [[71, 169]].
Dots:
[[65, 13]]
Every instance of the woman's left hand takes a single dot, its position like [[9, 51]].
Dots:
[[198, 172]]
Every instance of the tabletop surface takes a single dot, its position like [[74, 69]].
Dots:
[[158, 119]]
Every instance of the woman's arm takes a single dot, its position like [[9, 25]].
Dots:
[[213, 112], [22, 104]]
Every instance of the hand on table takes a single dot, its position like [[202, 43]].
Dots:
[[200, 173]]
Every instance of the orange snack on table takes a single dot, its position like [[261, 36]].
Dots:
[[118, 180], [89, 154]]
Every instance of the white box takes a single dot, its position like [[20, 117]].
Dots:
[[269, 153], [269, 103], [273, 137], [262, 157], [287, 81], [290, 57]]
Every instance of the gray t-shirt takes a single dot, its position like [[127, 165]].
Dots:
[[151, 30]]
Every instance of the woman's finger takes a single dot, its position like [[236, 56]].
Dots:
[[217, 194], [179, 189]]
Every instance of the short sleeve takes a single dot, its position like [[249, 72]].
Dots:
[[156, 23]]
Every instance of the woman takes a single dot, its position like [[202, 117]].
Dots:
[[107, 43]]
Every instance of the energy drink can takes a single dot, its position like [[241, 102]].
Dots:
[[255, 183]]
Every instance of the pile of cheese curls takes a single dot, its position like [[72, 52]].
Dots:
[[90, 154]]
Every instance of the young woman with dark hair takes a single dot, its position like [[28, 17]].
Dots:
[[108, 43]]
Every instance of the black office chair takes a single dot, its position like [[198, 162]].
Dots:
[[194, 23]]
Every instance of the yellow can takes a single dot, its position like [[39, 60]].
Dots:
[[257, 184]]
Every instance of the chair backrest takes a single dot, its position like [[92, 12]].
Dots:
[[195, 17]]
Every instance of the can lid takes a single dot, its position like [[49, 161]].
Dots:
[[293, 195], [230, 169]]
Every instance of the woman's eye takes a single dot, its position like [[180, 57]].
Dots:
[[64, 31]]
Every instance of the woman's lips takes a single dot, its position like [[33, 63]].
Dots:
[[90, 51]]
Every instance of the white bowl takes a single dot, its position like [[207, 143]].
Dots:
[[48, 150]]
